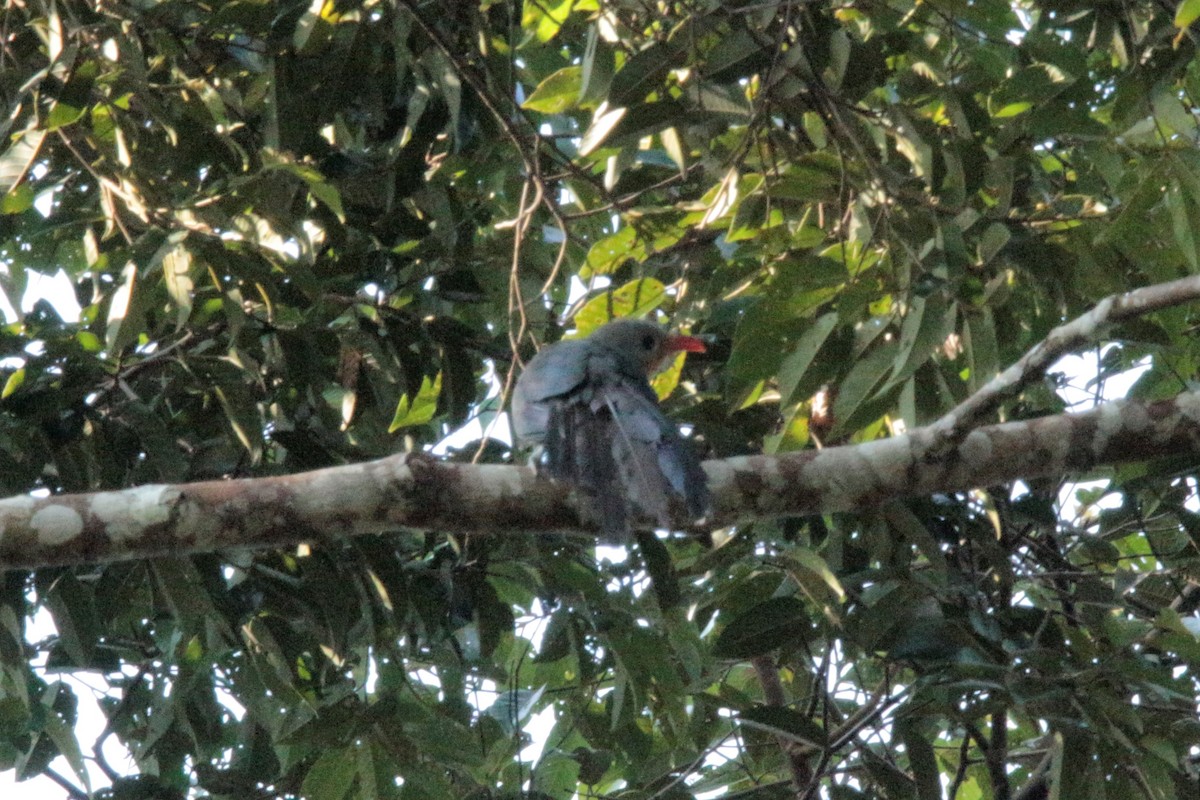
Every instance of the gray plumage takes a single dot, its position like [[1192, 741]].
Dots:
[[590, 404]]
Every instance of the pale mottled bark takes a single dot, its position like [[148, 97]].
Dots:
[[421, 493]]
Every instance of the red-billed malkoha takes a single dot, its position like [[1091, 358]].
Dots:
[[589, 403]]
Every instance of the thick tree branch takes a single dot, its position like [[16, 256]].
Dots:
[[420, 493]]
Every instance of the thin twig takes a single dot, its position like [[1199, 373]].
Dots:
[[960, 774], [73, 791]]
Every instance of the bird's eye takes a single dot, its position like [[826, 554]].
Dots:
[[647, 342]]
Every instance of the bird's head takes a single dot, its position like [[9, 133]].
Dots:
[[644, 343]]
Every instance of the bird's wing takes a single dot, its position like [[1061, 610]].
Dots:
[[552, 375], [654, 461]]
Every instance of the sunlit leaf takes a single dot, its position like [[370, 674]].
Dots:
[[420, 409], [634, 299], [16, 159], [177, 269], [13, 383], [1186, 13], [603, 122]]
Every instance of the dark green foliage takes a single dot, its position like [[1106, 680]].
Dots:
[[290, 228]]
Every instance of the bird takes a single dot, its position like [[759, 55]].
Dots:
[[588, 404]]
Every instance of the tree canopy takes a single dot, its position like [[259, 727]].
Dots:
[[313, 235]]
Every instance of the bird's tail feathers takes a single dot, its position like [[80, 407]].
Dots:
[[656, 464], [624, 456]]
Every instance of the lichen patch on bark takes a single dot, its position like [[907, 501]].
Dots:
[[56, 525], [126, 514]]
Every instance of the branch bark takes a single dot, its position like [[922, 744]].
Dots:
[[418, 492]]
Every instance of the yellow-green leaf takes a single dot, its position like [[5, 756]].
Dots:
[[1186, 13], [418, 410], [13, 383], [546, 19], [634, 299], [665, 381], [18, 200]]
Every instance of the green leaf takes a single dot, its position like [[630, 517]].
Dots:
[[796, 365], [1071, 775], [242, 419], [89, 341], [329, 195], [332, 775], [994, 237], [63, 735], [808, 563], [921, 760], [1181, 224], [420, 409], [778, 622], [17, 200], [320, 188], [859, 386], [372, 772], [546, 18], [557, 93], [182, 590], [1171, 114], [1013, 109], [62, 115], [630, 243], [816, 177], [785, 722], [983, 347], [667, 379], [923, 331], [446, 739], [902, 520], [555, 775], [732, 54], [643, 73]]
